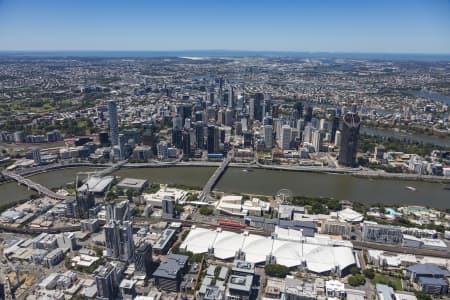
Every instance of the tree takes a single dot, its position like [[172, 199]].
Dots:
[[369, 273], [179, 208], [205, 210], [354, 271], [130, 195], [423, 296], [98, 251], [276, 270], [356, 280]]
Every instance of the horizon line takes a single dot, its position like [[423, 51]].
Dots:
[[225, 50]]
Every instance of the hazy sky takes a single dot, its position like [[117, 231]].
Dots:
[[412, 26]]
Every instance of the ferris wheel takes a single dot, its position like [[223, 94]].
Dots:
[[285, 196]]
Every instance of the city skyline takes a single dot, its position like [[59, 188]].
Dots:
[[310, 26]]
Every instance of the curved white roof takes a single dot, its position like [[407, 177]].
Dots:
[[287, 253], [256, 248], [323, 259], [199, 240], [226, 244], [320, 255], [343, 256]]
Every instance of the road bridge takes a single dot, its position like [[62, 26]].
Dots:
[[214, 178], [111, 168], [42, 190]]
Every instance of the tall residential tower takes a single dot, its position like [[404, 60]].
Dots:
[[113, 122]]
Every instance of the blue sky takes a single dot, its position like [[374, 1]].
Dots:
[[394, 26]]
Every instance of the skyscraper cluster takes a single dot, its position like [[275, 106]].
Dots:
[[258, 123]]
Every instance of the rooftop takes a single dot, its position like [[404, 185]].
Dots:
[[166, 236], [132, 183], [97, 184], [241, 283], [432, 281], [171, 268], [428, 269]]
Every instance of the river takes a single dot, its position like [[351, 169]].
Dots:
[[266, 182], [432, 96], [419, 138]]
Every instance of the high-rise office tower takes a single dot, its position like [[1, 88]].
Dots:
[[186, 143], [285, 137], [119, 240], [323, 124], [107, 285], [168, 207], [267, 105], [200, 135], [119, 232], [317, 139], [162, 150], [267, 120], [256, 109], [298, 110], [143, 258], [307, 134], [211, 97], [118, 211], [113, 122], [230, 97], [103, 138], [248, 139], [2, 289], [337, 138], [300, 127], [228, 117], [187, 123], [308, 114], [220, 116], [185, 112], [268, 136], [222, 135], [251, 108], [122, 142], [177, 137], [177, 122], [213, 139], [349, 139], [244, 124], [199, 116], [84, 201], [334, 128], [211, 113], [36, 152]]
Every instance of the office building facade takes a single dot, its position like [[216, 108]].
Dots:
[[349, 140], [113, 122]]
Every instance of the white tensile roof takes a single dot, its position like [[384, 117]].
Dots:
[[320, 255], [198, 240], [256, 248], [226, 244]]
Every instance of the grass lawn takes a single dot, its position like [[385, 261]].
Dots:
[[388, 280]]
